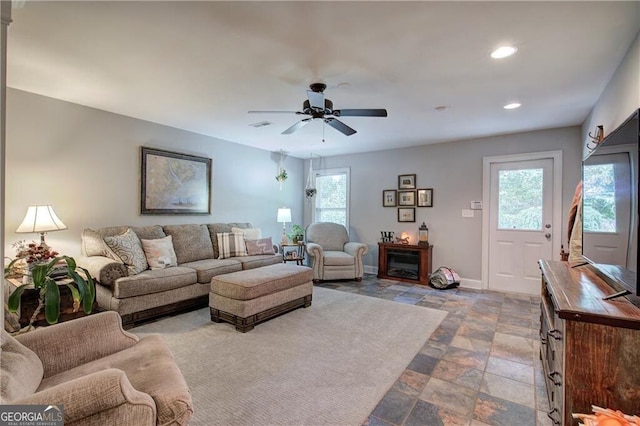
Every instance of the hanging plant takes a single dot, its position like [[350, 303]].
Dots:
[[309, 190], [282, 176], [282, 173]]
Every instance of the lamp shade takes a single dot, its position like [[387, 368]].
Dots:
[[41, 218], [284, 215]]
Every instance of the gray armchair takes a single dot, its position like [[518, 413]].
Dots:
[[332, 255]]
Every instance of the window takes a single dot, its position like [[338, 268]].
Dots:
[[332, 198], [520, 199], [599, 198]]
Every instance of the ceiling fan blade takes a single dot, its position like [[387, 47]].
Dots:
[[300, 124], [273, 112], [316, 99], [360, 113], [339, 126]]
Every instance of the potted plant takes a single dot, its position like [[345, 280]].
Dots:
[[297, 234], [82, 287]]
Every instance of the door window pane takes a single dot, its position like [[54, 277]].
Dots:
[[520, 199], [599, 198]]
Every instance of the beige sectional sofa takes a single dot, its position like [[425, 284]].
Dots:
[[152, 293]]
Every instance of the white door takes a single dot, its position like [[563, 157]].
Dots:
[[520, 223]]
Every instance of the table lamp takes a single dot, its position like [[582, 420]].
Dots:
[[284, 216], [41, 219]]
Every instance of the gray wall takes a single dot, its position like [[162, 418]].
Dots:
[[86, 163], [454, 171]]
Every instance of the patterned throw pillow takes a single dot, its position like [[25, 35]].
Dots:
[[160, 253], [259, 246], [127, 248], [249, 233], [231, 244]]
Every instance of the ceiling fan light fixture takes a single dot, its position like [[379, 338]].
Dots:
[[512, 105], [503, 52]]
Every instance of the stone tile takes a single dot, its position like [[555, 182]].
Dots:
[[422, 363], [477, 330], [399, 287], [517, 320], [496, 411], [475, 422], [471, 344], [449, 395], [434, 349], [511, 390], [459, 374], [512, 370], [406, 299], [516, 331], [430, 304], [425, 413], [483, 316], [442, 336], [394, 407], [411, 382], [513, 348], [375, 421], [467, 358]]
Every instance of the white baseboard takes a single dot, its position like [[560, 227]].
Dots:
[[469, 283], [369, 269]]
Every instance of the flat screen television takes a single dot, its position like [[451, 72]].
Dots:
[[610, 218]]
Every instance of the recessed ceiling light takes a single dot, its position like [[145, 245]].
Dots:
[[503, 52], [513, 105]]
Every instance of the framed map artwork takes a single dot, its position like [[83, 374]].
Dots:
[[174, 183]]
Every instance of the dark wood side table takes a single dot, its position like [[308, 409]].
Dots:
[[293, 252], [404, 262], [29, 303]]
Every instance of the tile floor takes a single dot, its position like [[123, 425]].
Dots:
[[480, 367]]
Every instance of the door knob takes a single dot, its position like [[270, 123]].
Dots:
[[548, 225], [547, 236]]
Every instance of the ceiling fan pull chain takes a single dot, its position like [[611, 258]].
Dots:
[[323, 131]]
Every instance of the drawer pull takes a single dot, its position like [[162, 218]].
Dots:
[[555, 334], [552, 376], [550, 415], [543, 339]]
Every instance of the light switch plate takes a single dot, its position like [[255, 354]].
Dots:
[[467, 213]]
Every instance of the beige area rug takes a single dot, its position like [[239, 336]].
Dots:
[[329, 364]]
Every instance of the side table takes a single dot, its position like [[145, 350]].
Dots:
[[30, 299], [293, 252]]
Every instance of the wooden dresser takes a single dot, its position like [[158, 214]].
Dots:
[[589, 347]]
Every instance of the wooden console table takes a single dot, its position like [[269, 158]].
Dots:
[[404, 262], [588, 346]]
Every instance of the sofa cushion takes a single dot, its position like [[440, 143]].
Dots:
[[127, 247], [152, 232], [153, 281], [21, 370], [252, 262], [190, 242], [93, 240], [150, 368], [231, 244], [338, 258], [209, 268], [159, 252], [249, 233], [259, 246], [216, 228]]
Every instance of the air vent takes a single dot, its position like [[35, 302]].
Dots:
[[261, 124]]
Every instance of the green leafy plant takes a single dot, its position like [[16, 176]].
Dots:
[[282, 176], [297, 234], [82, 287]]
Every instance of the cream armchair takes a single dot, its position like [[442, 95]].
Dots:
[[332, 255], [97, 371]]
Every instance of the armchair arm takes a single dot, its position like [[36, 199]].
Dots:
[[315, 250], [64, 346], [103, 269], [95, 394], [356, 249]]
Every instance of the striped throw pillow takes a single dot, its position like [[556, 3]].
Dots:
[[231, 244]]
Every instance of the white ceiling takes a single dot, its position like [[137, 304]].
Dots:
[[201, 66]]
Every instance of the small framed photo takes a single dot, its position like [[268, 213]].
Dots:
[[406, 214], [425, 197], [406, 198], [389, 198], [407, 181]]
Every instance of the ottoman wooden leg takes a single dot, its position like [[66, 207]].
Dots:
[[215, 315]]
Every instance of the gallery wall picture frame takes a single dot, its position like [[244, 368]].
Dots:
[[407, 198], [406, 214], [425, 197], [407, 181], [173, 183], [389, 198]]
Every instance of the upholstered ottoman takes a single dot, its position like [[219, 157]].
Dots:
[[246, 298]]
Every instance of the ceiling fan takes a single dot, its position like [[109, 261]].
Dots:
[[318, 107]]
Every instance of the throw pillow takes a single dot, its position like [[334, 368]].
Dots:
[[249, 233], [160, 253], [259, 246], [231, 244], [128, 249]]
